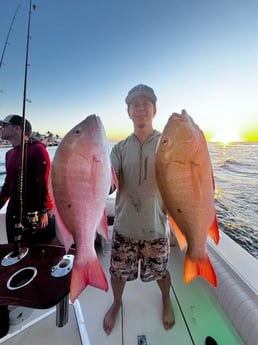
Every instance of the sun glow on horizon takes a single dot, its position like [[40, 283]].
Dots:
[[226, 136]]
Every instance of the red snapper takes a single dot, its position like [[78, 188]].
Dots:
[[185, 180], [81, 177]]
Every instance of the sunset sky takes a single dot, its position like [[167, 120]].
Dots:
[[85, 55]]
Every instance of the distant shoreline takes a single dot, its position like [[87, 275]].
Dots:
[[49, 144], [3, 146]]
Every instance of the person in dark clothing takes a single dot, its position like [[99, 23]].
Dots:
[[36, 200]]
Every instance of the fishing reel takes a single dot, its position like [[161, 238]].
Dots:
[[31, 221]]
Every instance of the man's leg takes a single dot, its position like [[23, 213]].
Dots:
[[168, 313], [110, 317]]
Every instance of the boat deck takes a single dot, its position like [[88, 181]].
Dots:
[[197, 314]]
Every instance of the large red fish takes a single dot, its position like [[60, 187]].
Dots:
[[81, 177], [185, 180]]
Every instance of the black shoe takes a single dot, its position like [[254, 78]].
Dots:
[[4, 320]]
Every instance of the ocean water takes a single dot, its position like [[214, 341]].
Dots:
[[235, 168]]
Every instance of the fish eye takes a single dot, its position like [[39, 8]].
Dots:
[[164, 141], [77, 131]]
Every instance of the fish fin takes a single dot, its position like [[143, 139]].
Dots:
[[214, 231], [197, 183], [194, 268], [213, 180], [95, 168], [114, 180], [64, 236], [181, 239], [103, 226], [50, 186], [91, 274], [63, 233]]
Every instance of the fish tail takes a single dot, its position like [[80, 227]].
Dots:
[[194, 268], [90, 274]]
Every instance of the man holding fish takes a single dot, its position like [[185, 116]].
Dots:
[[159, 177], [140, 225]]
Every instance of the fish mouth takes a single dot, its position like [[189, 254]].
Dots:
[[93, 123], [178, 117], [93, 117]]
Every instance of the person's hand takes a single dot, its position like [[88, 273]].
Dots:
[[43, 222]]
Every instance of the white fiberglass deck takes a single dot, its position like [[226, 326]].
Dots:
[[197, 314]]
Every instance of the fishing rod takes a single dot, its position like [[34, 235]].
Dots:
[[8, 34], [19, 226], [7, 38]]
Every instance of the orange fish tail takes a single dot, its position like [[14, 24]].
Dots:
[[90, 274], [194, 268]]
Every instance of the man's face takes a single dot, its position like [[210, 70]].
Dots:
[[7, 131], [141, 111]]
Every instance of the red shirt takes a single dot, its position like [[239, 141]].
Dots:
[[36, 195]]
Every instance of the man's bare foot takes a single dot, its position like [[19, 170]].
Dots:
[[110, 318], [168, 314]]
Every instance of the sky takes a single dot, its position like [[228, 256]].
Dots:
[[85, 55]]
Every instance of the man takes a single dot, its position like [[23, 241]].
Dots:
[[37, 225], [140, 224]]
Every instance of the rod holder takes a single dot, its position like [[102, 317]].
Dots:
[[12, 258]]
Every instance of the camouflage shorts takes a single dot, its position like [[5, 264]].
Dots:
[[127, 253]]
